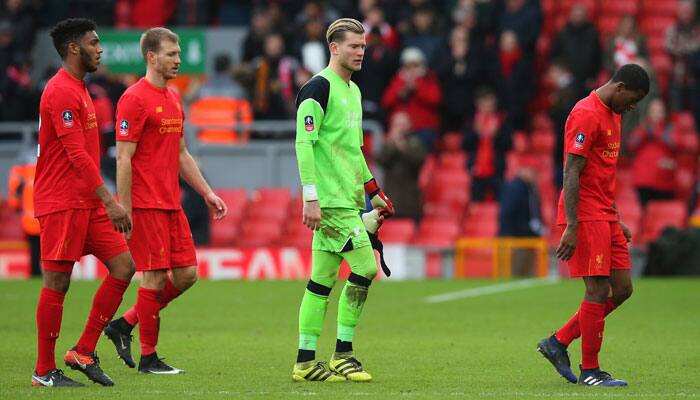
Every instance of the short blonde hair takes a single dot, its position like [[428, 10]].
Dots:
[[152, 38], [336, 31]]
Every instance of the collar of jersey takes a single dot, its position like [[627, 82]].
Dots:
[[71, 78], [152, 86]]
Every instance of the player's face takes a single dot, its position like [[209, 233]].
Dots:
[[90, 51], [626, 100], [167, 60], [351, 51]]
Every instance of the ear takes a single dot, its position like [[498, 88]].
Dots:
[[619, 86], [73, 48], [333, 48]]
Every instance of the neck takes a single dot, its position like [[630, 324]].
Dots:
[[605, 93], [342, 72], [75, 69], [155, 78]]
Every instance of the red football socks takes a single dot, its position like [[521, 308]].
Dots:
[[170, 292], [48, 322], [147, 310], [591, 318], [104, 305], [571, 330]]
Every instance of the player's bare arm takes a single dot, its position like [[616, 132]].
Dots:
[[625, 230], [125, 152], [193, 176], [572, 173]]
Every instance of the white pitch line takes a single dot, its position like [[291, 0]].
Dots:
[[491, 289]]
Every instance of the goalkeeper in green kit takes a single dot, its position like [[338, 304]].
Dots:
[[335, 178]]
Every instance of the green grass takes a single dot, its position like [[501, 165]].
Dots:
[[238, 340]]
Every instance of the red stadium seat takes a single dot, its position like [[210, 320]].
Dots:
[[666, 8], [255, 233], [451, 141], [452, 160], [683, 121], [236, 200], [607, 24], [223, 232], [656, 44], [272, 196], [619, 8], [482, 220], [653, 24], [399, 230], [270, 204], [437, 232], [661, 214], [296, 234]]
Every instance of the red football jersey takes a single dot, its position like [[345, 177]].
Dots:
[[593, 131], [67, 170], [152, 117]]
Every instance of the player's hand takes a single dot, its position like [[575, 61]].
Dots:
[[379, 200], [567, 245], [311, 215], [120, 217], [217, 207], [626, 231]]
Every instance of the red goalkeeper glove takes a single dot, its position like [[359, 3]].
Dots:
[[379, 199]]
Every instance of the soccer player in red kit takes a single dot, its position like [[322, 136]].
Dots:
[[151, 153], [595, 239], [77, 214]]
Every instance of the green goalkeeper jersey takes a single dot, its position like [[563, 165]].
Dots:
[[329, 142]]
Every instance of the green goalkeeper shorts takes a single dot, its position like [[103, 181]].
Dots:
[[338, 226]]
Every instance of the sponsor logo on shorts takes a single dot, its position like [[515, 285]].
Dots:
[[309, 123], [124, 127], [67, 116]]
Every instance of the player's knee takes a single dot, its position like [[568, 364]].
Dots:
[[318, 288], [58, 281], [184, 278], [621, 294], [360, 280], [597, 293], [154, 279]]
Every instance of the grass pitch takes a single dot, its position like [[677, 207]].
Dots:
[[238, 340]]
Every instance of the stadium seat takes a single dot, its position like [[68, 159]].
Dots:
[[236, 200], [223, 232], [607, 24], [520, 142], [437, 232], [481, 220], [683, 121], [661, 214], [656, 44], [216, 118], [296, 234], [452, 160], [256, 233], [451, 141], [619, 8], [543, 141], [666, 8], [399, 230], [653, 24]]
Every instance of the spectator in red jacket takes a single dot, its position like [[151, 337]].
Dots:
[[415, 90], [653, 144], [487, 139]]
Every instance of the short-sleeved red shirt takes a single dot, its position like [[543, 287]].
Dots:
[[153, 118], [65, 179], [593, 131]]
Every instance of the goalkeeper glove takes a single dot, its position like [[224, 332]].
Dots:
[[372, 221], [379, 199]]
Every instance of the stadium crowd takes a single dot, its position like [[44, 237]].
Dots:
[[471, 92]]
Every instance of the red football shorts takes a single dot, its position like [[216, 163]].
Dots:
[[161, 239], [601, 247], [70, 234]]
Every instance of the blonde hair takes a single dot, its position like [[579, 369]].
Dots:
[[152, 38], [336, 31]]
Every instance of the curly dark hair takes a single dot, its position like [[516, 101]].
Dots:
[[70, 31], [633, 76]]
